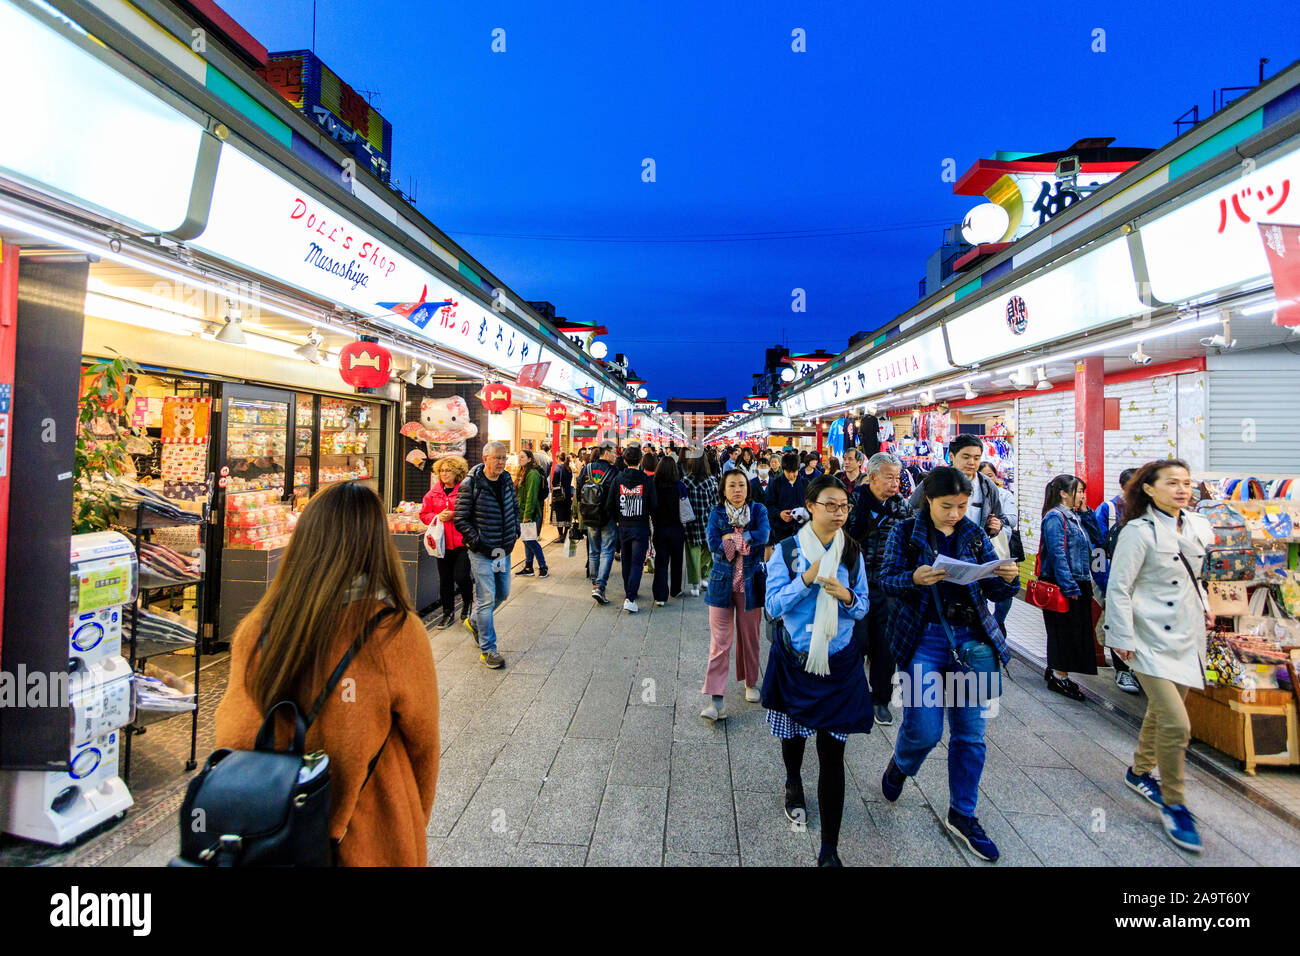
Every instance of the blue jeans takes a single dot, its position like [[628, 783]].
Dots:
[[600, 553], [635, 542], [533, 549], [1000, 611], [923, 725], [491, 588]]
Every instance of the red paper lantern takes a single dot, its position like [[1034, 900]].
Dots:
[[586, 418], [365, 364], [496, 397], [557, 412]]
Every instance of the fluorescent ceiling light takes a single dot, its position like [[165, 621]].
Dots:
[[1144, 336], [1260, 309]]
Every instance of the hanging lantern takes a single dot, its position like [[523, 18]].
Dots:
[[586, 418], [496, 397], [557, 412], [365, 364]]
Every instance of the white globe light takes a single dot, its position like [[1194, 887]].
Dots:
[[787, 374], [985, 223], [599, 349], [641, 392]]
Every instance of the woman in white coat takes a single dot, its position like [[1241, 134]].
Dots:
[[1156, 620]]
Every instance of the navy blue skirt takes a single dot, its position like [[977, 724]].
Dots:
[[839, 702]]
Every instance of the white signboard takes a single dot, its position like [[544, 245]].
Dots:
[[272, 227], [75, 126], [1095, 289], [895, 367], [1214, 242]]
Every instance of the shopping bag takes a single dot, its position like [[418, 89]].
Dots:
[[435, 540], [570, 547], [1001, 546], [528, 531], [684, 510]]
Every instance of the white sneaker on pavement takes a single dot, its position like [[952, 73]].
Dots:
[[753, 695], [712, 712], [630, 606]]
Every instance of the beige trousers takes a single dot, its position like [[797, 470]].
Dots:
[[1166, 731]]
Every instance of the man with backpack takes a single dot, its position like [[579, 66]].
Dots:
[[602, 531], [630, 499], [1110, 515]]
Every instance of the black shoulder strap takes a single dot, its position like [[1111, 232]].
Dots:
[[343, 663]]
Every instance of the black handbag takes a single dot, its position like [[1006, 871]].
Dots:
[[267, 807], [1016, 545]]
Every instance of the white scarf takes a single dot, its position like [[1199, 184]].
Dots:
[[826, 620]]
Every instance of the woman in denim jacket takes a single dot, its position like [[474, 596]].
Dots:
[[1068, 530], [947, 645], [737, 532]]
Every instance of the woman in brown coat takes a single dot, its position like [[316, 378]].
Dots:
[[340, 573]]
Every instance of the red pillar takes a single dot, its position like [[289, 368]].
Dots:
[[1090, 425], [8, 345], [821, 437]]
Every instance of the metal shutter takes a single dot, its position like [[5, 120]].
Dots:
[[1252, 404]]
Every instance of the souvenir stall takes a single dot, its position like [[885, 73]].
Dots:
[[1248, 707]]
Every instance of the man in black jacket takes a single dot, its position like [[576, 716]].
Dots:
[[487, 515], [630, 499], [602, 532], [784, 494], [877, 507]]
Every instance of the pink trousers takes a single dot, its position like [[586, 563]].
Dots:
[[724, 624]]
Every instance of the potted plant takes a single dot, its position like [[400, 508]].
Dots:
[[104, 441]]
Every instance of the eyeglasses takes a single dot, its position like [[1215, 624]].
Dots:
[[834, 508]]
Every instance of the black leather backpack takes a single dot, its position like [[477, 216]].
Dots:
[[267, 807]]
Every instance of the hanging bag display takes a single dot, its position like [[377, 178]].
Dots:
[[1044, 594], [1228, 598]]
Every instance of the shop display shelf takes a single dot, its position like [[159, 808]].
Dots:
[[145, 516], [163, 585], [145, 648], [146, 718]]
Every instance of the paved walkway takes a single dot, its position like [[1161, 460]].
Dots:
[[588, 749]]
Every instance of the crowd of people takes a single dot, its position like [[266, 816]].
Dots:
[[850, 572]]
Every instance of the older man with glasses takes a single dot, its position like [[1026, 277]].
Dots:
[[877, 507], [487, 516]]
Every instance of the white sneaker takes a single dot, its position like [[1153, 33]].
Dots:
[[713, 712], [695, 590], [630, 607], [661, 603], [1126, 682], [753, 695]]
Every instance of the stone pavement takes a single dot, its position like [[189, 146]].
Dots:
[[588, 749]]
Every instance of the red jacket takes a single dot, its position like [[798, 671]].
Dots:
[[435, 500]]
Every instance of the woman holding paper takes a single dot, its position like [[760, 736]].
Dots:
[[815, 682], [943, 635], [1066, 560]]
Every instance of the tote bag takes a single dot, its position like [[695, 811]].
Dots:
[[435, 540]]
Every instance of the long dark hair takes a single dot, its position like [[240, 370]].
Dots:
[[1061, 484], [852, 550], [666, 475], [1136, 501], [341, 542]]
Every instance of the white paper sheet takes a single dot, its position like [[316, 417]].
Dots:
[[963, 572]]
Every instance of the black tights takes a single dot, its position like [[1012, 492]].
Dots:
[[830, 780]]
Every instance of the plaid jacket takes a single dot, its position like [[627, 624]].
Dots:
[[906, 550], [703, 497]]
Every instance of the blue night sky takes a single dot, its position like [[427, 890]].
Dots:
[[749, 138]]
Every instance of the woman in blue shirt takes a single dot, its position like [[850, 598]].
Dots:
[[815, 683], [737, 532], [947, 646]]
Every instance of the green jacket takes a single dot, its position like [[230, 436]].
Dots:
[[529, 505]]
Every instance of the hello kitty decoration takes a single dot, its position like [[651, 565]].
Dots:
[[444, 428]]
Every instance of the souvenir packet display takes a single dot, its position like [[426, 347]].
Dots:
[[238, 484], [258, 521], [405, 519], [354, 471]]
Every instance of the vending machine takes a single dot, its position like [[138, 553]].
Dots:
[[56, 807]]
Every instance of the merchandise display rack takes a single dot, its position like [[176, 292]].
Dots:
[[148, 518]]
